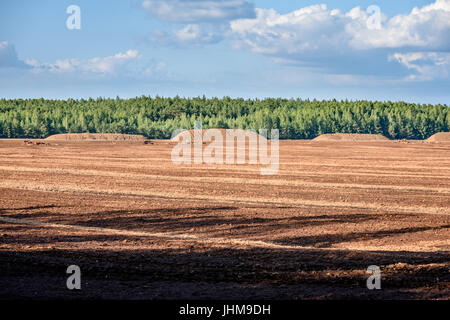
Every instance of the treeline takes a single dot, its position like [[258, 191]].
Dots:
[[158, 117]]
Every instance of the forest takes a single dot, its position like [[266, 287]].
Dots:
[[157, 117]]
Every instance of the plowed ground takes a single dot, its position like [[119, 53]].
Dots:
[[141, 227]]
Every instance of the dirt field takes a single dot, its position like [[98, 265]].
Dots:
[[96, 137], [141, 227], [351, 137]]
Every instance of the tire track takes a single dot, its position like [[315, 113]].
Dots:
[[266, 181], [244, 200], [164, 235]]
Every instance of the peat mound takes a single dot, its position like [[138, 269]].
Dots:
[[439, 137], [350, 137], [200, 134], [96, 137]]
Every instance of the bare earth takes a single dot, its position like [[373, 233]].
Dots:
[[141, 227], [96, 137], [440, 137], [350, 137]]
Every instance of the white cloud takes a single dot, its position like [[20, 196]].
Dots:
[[195, 11], [191, 34], [8, 56], [427, 65], [321, 38], [205, 21], [427, 28], [309, 29], [98, 65], [316, 27]]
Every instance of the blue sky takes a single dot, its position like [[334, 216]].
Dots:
[[239, 48]]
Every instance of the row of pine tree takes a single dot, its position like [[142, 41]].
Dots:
[[158, 117]]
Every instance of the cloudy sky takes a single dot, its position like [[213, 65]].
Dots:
[[383, 50]]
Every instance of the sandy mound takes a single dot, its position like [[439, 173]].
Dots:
[[96, 137], [237, 132], [350, 137], [440, 137]]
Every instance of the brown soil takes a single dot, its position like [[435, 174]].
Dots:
[[350, 137], [440, 137], [35, 143], [96, 137], [141, 227], [185, 133]]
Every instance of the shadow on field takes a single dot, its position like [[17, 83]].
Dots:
[[224, 274], [325, 241], [183, 269], [31, 208], [223, 220], [25, 215], [182, 219]]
